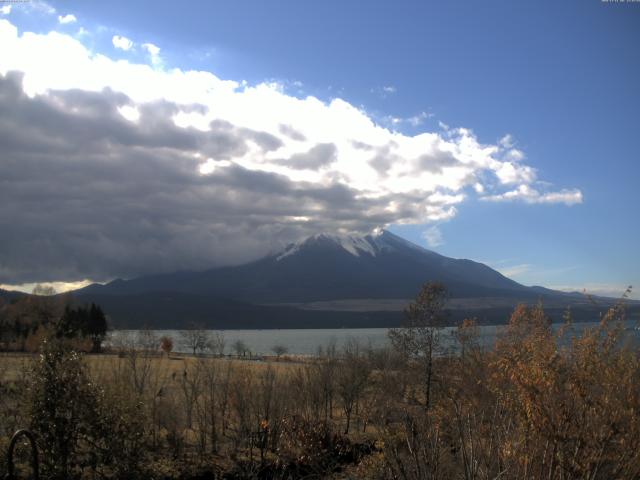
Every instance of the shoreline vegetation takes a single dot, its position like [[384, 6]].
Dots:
[[529, 406]]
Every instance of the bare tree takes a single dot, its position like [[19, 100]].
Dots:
[[134, 366], [195, 338], [190, 383], [147, 340], [217, 343], [240, 347], [208, 414], [243, 391], [353, 376], [44, 290], [279, 350], [222, 399], [420, 337], [323, 371]]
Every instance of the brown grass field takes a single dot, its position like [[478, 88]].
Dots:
[[532, 406]]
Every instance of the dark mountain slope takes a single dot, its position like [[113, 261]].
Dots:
[[295, 289], [326, 267]]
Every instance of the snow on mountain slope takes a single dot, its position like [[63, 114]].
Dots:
[[371, 244]]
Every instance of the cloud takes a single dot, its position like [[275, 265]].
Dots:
[[35, 7], [292, 133], [68, 18], [417, 120], [5, 9], [318, 156], [507, 141], [613, 290], [510, 172], [413, 121], [515, 270], [437, 163], [119, 169], [531, 195], [58, 287], [384, 91], [514, 154], [433, 236], [123, 43], [154, 53]]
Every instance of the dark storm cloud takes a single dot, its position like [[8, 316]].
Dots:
[[85, 193]]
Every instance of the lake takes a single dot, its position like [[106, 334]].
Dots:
[[307, 341]]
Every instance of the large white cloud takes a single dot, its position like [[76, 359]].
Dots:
[[186, 169]]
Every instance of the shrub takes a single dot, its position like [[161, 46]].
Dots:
[[78, 427], [166, 344]]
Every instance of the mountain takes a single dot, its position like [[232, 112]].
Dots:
[[10, 295], [332, 267], [323, 281]]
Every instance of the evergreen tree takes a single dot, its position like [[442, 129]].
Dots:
[[96, 326]]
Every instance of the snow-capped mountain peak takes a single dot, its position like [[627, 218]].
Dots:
[[372, 244]]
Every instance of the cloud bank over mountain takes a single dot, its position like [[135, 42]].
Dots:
[[115, 168]]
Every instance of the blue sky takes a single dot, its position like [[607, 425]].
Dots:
[[559, 78]]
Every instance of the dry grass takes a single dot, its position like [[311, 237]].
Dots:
[[532, 407], [13, 364]]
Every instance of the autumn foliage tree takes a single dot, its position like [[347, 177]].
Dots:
[[572, 398], [544, 402], [27, 320], [166, 344]]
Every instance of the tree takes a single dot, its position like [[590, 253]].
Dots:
[[217, 343], [61, 405], [80, 429], [22, 317], [96, 327], [352, 379], [195, 339], [44, 290], [71, 322], [166, 344], [240, 347], [83, 321], [146, 340], [324, 377], [279, 350], [420, 338]]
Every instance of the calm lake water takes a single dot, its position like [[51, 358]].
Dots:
[[307, 341]]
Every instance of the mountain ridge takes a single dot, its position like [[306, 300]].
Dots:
[[328, 267], [323, 281]]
